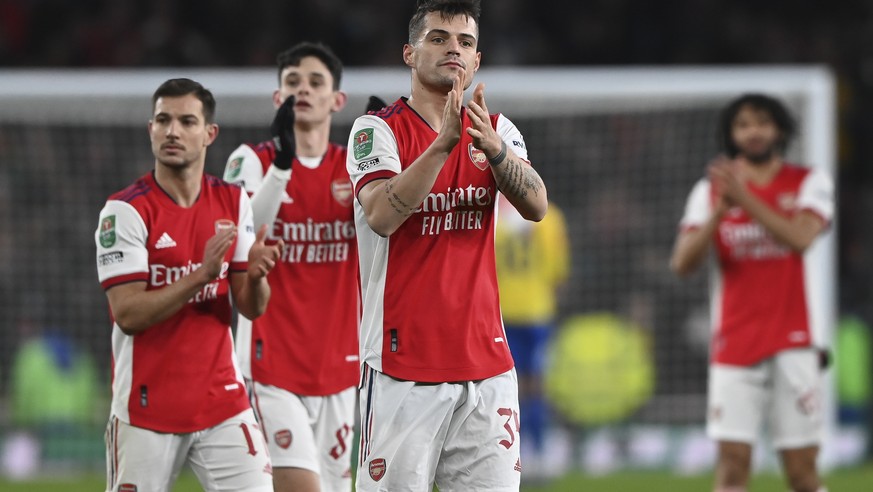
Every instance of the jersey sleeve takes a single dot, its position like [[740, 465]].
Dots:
[[698, 207], [121, 238], [373, 152], [512, 137], [244, 168], [817, 195], [245, 237]]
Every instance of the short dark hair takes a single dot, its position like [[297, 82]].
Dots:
[[293, 55], [183, 87], [761, 102], [446, 8]]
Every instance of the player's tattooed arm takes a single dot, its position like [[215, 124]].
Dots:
[[514, 178], [395, 201], [522, 186]]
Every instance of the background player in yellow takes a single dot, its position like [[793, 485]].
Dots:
[[533, 260]]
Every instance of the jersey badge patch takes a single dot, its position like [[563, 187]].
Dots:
[[787, 201], [477, 157], [377, 469], [363, 143], [234, 167], [107, 231], [341, 189], [283, 438]]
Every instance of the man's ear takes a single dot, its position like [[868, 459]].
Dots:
[[340, 99], [277, 99], [212, 131], [408, 55]]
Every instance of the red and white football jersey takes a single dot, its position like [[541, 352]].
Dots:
[[758, 295], [179, 375], [431, 306], [307, 340]]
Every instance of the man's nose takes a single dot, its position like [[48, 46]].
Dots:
[[453, 46]]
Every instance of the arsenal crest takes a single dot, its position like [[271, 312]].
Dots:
[[477, 157], [377, 469], [342, 192], [283, 438]]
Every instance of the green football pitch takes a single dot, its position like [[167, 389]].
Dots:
[[845, 480]]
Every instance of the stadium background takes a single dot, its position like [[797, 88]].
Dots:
[[621, 225]]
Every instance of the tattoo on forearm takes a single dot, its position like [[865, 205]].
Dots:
[[517, 179], [396, 203]]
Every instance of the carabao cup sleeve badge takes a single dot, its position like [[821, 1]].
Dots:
[[107, 231], [363, 143]]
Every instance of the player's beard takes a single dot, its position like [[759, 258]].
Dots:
[[762, 156]]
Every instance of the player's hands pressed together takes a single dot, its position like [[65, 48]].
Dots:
[[485, 138], [263, 256], [728, 182], [518, 181], [450, 131], [282, 130], [215, 250]]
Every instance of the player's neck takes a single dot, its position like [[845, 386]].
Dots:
[[429, 104], [181, 183], [312, 140], [763, 172]]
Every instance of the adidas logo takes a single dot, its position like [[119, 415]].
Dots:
[[165, 241]]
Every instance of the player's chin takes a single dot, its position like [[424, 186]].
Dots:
[[173, 160]]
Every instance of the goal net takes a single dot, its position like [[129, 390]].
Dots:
[[619, 150]]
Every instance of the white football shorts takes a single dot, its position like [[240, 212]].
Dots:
[[783, 392], [230, 456], [310, 432], [460, 436]]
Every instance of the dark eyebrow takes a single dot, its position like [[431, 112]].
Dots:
[[443, 32]]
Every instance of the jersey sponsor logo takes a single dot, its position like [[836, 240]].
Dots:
[[312, 231], [234, 168], [111, 258], [363, 166], [341, 189], [107, 231], [165, 241], [519, 143], [283, 438], [478, 157], [377, 469], [452, 219], [750, 240], [363, 143], [161, 275]]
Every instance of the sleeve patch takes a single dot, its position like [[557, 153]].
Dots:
[[363, 145], [234, 167], [107, 231], [363, 166]]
